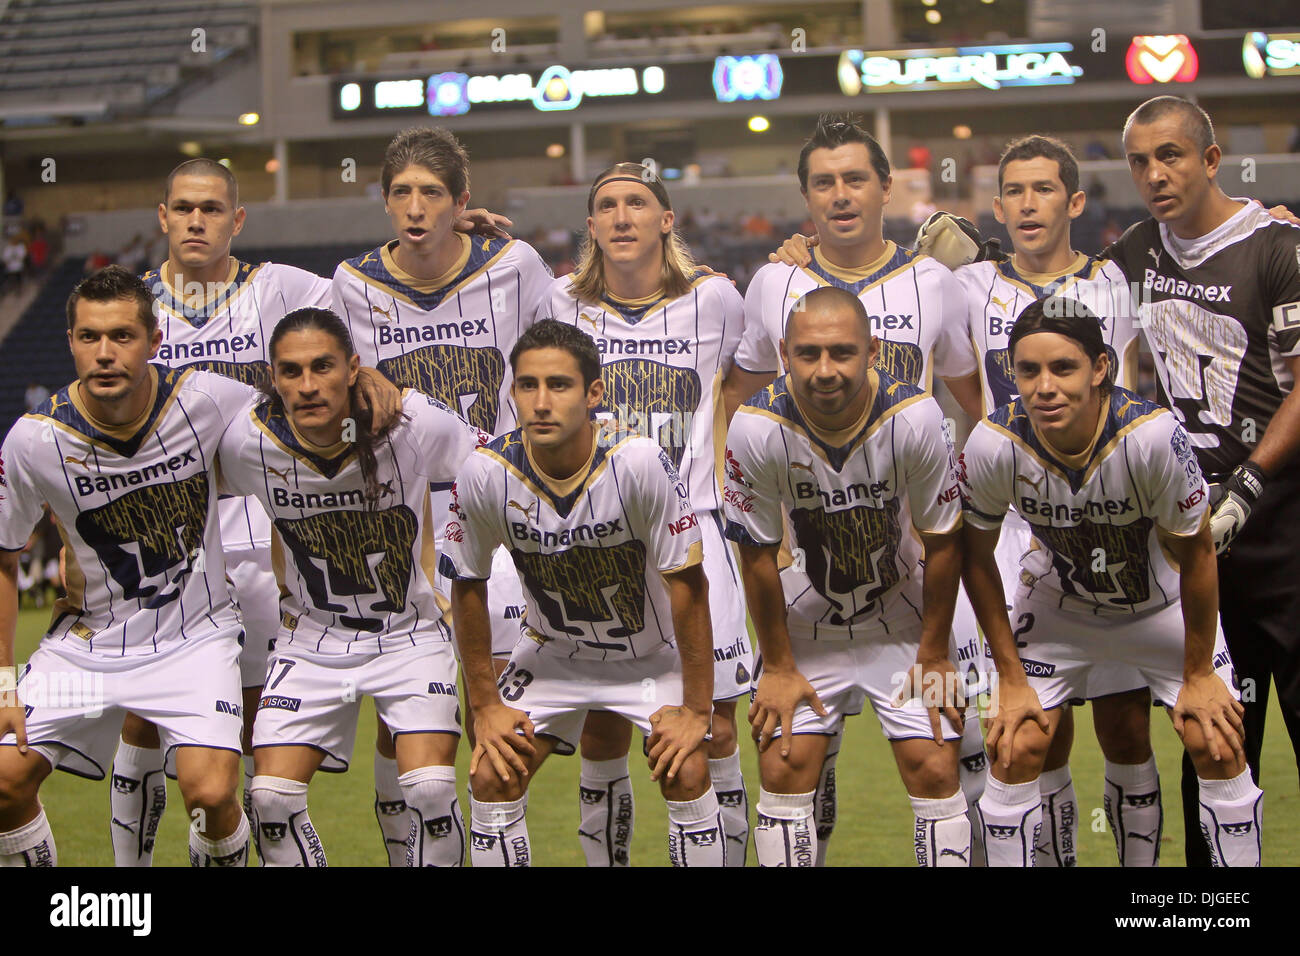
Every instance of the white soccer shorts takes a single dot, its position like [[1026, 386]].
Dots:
[[846, 674], [75, 701], [733, 659], [1062, 649], [557, 693], [257, 597], [312, 699]]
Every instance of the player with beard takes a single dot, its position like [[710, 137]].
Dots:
[[858, 463], [1122, 571], [666, 331], [1220, 288], [608, 550]]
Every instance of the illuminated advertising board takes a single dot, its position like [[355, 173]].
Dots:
[[949, 68], [1161, 59], [1271, 54], [756, 77]]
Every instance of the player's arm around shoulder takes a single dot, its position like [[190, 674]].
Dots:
[[440, 439]]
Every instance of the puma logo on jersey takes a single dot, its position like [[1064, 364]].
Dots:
[[584, 317], [83, 462], [772, 393], [1154, 255], [374, 309], [1123, 408], [281, 473], [1000, 303], [526, 512], [171, 377], [801, 466], [959, 854], [509, 440], [892, 389], [1036, 485], [370, 257], [55, 404]]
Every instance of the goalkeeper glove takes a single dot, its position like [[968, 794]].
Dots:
[[1231, 502], [955, 241]]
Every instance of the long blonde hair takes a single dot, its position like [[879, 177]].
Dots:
[[677, 273]]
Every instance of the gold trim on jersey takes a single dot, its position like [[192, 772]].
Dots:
[[612, 303], [563, 488], [340, 449], [429, 559], [206, 301], [122, 433], [575, 483], [841, 436], [719, 435], [1023, 283], [1044, 278], [1110, 445], [277, 562], [815, 443], [1079, 459], [403, 297], [858, 273], [694, 556], [74, 581], [426, 285]]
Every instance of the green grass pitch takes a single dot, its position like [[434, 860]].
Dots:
[[874, 814]]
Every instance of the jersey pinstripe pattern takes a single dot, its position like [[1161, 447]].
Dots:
[[145, 564], [452, 341], [1096, 528], [996, 294], [662, 364], [353, 579], [230, 333], [915, 305], [590, 557], [853, 510]]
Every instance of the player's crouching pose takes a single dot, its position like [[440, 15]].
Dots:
[[609, 554], [1123, 570], [124, 457], [859, 461], [350, 512]]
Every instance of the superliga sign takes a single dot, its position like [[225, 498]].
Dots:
[[989, 67]]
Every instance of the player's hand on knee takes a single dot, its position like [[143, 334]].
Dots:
[[941, 691], [1205, 699], [778, 694], [1014, 703], [795, 251], [480, 222], [503, 735], [13, 720], [676, 732], [380, 397]]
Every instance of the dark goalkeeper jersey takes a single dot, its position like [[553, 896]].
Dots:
[[1222, 315]]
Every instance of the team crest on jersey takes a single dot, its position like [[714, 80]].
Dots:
[[850, 554], [584, 586], [149, 538], [1102, 562], [349, 558], [649, 398], [466, 380]]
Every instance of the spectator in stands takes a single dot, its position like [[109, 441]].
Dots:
[[13, 204], [35, 395], [38, 250], [95, 261], [15, 261]]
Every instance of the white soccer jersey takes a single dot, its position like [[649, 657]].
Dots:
[[1096, 520], [230, 333], [853, 507], [915, 304], [449, 337], [663, 362], [996, 294], [590, 551], [353, 580], [138, 514]]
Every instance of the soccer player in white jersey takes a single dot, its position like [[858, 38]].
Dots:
[[215, 313], [1122, 569], [666, 331], [608, 549], [1038, 197], [439, 311], [858, 463], [355, 560], [915, 304], [125, 458]]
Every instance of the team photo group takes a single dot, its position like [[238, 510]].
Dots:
[[543, 513]]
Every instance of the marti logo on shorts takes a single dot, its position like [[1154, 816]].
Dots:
[[391, 335], [101, 484]]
